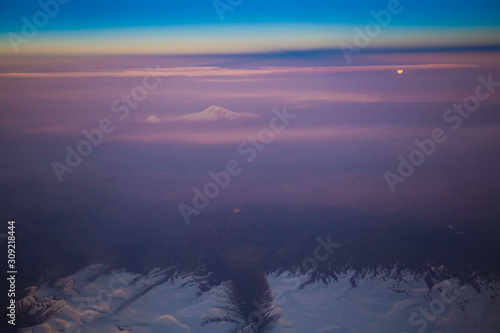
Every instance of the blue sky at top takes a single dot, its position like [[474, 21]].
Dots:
[[194, 27], [93, 14]]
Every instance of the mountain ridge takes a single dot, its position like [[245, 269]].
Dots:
[[213, 113]]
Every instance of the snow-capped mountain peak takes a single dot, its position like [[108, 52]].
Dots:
[[153, 120], [214, 112], [217, 110], [211, 114]]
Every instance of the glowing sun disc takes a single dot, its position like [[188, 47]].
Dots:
[[400, 71]]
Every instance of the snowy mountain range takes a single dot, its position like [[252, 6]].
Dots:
[[97, 299], [213, 113]]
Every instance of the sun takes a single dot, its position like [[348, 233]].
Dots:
[[400, 71]]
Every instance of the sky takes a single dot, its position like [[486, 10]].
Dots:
[[211, 27], [352, 123]]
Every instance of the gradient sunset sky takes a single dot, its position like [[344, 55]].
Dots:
[[195, 27], [352, 118]]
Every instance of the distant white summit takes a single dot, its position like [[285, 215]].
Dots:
[[215, 113], [211, 114], [153, 120]]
